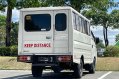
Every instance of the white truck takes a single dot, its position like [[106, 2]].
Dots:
[[58, 38]]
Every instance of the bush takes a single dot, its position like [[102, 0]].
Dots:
[[8, 51], [4, 51], [112, 51], [14, 50]]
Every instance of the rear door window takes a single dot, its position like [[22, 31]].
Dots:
[[37, 22], [60, 22]]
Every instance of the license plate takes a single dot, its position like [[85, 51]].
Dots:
[[45, 59]]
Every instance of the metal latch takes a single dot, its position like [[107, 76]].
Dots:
[[48, 37]]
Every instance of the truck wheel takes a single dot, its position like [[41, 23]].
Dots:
[[92, 67], [56, 69], [37, 71], [78, 69]]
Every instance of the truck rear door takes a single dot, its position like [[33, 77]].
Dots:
[[61, 18], [37, 32]]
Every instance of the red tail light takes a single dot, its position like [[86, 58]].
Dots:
[[64, 58], [24, 58]]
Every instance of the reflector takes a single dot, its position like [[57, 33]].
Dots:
[[24, 58], [64, 58]]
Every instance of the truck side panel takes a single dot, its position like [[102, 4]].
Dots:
[[20, 34]]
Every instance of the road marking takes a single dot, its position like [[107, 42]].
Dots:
[[103, 76], [23, 77]]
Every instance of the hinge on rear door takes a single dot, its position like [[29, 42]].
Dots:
[[53, 31]]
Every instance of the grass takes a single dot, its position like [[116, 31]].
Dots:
[[107, 64], [103, 64], [11, 63]]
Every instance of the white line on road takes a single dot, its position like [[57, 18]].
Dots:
[[22, 77], [103, 76]]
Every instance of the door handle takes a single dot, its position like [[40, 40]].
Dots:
[[48, 37]]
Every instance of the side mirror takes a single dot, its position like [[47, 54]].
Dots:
[[97, 40]]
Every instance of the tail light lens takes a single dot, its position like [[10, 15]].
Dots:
[[24, 58], [64, 58]]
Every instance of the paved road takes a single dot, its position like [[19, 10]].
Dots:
[[20, 74]]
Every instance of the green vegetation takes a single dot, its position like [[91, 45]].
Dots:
[[101, 17], [8, 51], [14, 34], [117, 38], [112, 51], [105, 63], [117, 43], [2, 30], [100, 44]]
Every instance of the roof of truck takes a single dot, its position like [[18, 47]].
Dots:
[[46, 8], [52, 8]]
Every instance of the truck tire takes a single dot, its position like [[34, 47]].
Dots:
[[78, 70], [56, 69], [92, 67], [37, 71]]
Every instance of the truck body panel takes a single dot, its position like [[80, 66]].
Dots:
[[56, 37]]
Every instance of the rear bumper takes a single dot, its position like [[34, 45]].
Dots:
[[47, 60]]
